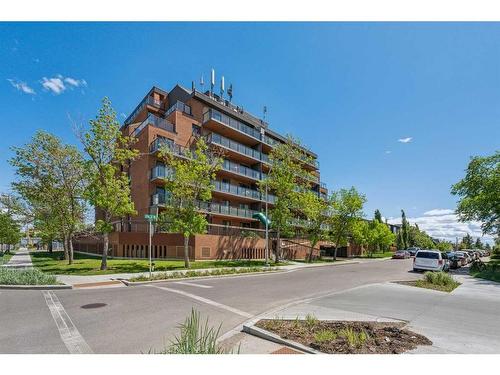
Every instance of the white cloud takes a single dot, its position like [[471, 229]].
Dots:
[[55, 84], [21, 86], [59, 84], [444, 224], [405, 140], [75, 82]]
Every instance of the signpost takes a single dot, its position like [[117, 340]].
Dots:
[[150, 218]]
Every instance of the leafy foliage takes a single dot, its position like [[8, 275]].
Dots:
[[9, 276], [10, 233], [480, 194]]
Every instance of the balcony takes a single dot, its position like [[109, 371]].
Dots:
[[214, 115], [149, 100], [160, 172], [235, 146], [179, 106], [242, 170], [155, 121], [223, 187], [158, 143]]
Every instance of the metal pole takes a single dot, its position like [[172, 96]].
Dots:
[[150, 240], [267, 233]]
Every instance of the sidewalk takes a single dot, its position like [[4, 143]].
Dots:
[[21, 259]]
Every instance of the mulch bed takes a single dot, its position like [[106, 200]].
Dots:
[[380, 338]]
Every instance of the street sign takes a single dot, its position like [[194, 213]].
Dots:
[[150, 217]]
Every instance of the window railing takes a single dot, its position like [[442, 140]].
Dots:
[[241, 170], [179, 106], [212, 114], [160, 171], [157, 122]]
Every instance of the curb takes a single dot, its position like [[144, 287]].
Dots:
[[251, 329], [139, 283], [36, 287]]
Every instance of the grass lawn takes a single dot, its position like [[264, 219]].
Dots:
[[492, 272], [6, 257], [385, 254], [84, 264]]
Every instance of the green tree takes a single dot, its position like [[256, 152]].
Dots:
[[360, 233], [378, 216], [400, 243], [10, 233], [479, 193], [21, 210], [444, 246], [50, 177], [478, 244], [405, 231], [288, 181], [109, 154], [345, 210], [188, 184], [419, 238], [467, 242], [314, 209]]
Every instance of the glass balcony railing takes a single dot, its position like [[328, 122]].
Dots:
[[155, 121], [179, 106], [212, 114], [160, 171], [146, 101], [236, 190], [235, 146], [158, 143], [241, 170]]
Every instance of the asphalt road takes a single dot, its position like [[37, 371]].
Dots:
[[145, 318]]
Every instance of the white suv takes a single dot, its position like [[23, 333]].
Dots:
[[430, 260]]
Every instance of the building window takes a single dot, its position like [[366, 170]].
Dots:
[[196, 130]]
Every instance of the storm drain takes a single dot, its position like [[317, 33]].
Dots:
[[94, 305]]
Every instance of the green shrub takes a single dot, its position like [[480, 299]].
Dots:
[[354, 338], [196, 337], [439, 278], [311, 321], [325, 335], [29, 276]]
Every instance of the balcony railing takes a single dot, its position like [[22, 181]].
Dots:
[[160, 171], [235, 146], [157, 122], [212, 114], [211, 207], [242, 170], [149, 100], [158, 143], [179, 106], [236, 190]]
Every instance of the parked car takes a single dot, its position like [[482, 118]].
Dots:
[[455, 261], [462, 258], [401, 254], [473, 254], [467, 255], [413, 250], [430, 260]]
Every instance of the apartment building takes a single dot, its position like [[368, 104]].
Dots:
[[174, 118]]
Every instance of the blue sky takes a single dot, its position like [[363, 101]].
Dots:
[[353, 92]]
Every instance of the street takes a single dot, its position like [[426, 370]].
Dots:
[[145, 318]]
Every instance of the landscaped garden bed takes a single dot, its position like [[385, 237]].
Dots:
[[440, 281], [487, 271], [11, 276], [205, 273], [346, 337]]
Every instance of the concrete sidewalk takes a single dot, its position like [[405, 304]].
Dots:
[[21, 259], [464, 321]]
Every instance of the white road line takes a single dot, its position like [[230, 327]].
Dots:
[[193, 284], [75, 343], [204, 300]]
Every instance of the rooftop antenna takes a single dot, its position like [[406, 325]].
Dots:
[[230, 92], [212, 82], [193, 87], [202, 83], [222, 87], [265, 112]]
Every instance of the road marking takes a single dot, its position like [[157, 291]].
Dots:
[[204, 300], [193, 284], [73, 340]]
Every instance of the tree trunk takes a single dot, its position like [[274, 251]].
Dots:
[[186, 252], [311, 252], [65, 247], [278, 247], [70, 250], [50, 247], [104, 261]]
